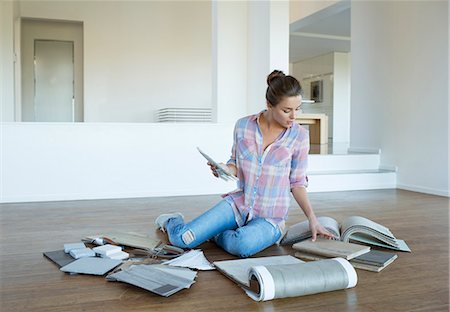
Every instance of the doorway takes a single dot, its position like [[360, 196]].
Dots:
[[52, 71], [320, 57]]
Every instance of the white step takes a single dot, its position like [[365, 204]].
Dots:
[[352, 180], [343, 162], [328, 173]]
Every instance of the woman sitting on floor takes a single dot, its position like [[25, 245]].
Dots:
[[269, 157]]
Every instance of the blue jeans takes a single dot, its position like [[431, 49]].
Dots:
[[219, 223]]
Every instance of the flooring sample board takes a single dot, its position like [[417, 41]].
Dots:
[[363, 262], [160, 279], [91, 265], [106, 250], [119, 255], [129, 239], [352, 229], [59, 257], [69, 247], [331, 248], [81, 253], [376, 257], [368, 267], [237, 270]]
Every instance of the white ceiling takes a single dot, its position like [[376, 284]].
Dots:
[[321, 33]]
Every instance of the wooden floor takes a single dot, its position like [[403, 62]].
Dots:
[[417, 281]]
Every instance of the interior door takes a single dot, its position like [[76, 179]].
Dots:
[[54, 81]]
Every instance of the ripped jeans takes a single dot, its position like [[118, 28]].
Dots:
[[219, 223]]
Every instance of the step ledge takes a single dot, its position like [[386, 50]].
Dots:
[[337, 172], [345, 155], [364, 150]]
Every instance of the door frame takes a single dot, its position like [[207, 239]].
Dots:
[[46, 29]]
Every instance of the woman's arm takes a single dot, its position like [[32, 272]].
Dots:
[[301, 197], [230, 166]]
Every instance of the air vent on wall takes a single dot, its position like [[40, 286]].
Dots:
[[184, 115]]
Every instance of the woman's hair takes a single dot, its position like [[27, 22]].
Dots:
[[280, 86]]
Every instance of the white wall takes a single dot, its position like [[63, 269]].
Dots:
[[6, 61], [400, 88], [63, 161], [138, 56], [341, 97], [229, 46], [268, 47], [258, 54], [250, 39], [279, 36]]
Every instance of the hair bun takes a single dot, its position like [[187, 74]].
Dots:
[[273, 75]]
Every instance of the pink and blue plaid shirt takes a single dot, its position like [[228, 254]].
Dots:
[[266, 177]]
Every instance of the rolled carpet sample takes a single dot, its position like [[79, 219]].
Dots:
[[292, 280]]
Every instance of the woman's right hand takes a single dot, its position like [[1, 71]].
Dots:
[[228, 169], [223, 166], [213, 169]]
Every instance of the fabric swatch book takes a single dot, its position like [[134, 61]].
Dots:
[[268, 278], [373, 261], [353, 229], [331, 248]]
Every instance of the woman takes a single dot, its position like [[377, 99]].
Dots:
[[269, 157]]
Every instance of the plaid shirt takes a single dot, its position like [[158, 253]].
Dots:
[[266, 177]]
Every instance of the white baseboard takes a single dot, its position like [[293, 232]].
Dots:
[[99, 196], [421, 189], [388, 167], [364, 150]]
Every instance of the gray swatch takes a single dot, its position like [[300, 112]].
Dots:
[[159, 279], [91, 265], [59, 257]]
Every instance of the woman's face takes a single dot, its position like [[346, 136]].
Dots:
[[284, 112]]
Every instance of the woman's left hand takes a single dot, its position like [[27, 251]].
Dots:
[[318, 229]]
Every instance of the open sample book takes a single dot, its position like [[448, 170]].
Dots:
[[268, 278], [354, 229]]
